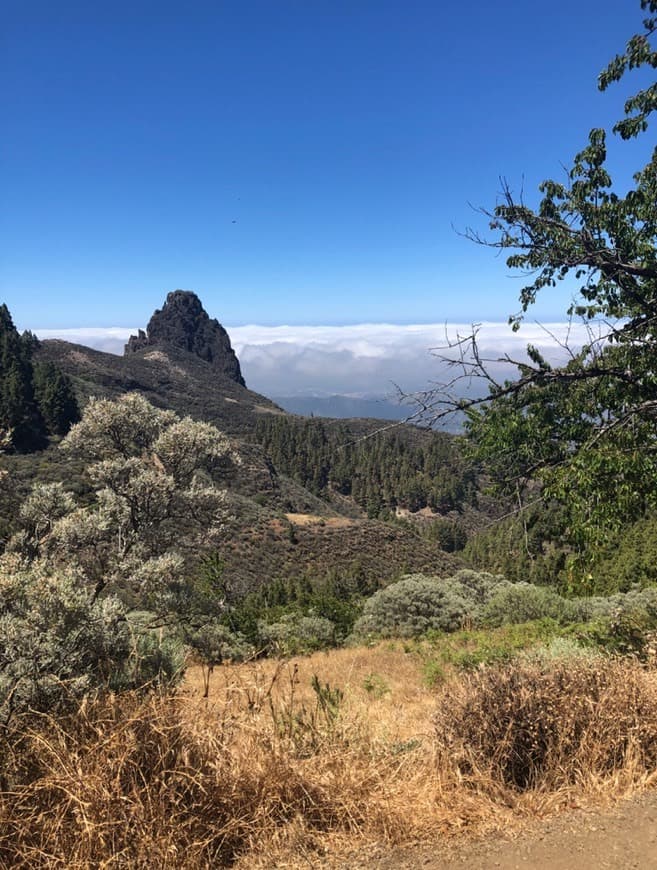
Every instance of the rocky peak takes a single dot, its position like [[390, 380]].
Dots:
[[182, 322]]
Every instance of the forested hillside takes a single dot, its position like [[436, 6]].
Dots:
[[380, 469], [305, 498]]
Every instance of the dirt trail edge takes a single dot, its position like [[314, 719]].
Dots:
[[622, 838]]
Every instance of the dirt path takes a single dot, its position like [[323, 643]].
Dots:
[[624, 838]]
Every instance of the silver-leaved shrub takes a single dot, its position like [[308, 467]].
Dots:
[[157, 497]]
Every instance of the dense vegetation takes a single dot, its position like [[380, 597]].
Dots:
[[585, 428], [36, 399], [380, 471], [75, 577]]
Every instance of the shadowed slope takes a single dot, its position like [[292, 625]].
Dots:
[[167, 376]]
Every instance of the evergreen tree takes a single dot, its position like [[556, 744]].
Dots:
[[19, 412], [411, 469], [36, 399], [55, 397]]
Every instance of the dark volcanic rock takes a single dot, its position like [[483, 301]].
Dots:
[[183, 323]]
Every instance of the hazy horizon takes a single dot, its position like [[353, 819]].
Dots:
[[358, 360]]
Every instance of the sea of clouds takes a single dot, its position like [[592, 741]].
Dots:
[[367, 359]]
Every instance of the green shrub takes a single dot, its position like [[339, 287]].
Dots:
[[158, 659], [624, 635], [419, 603], [622, 622], [476, 586], [560, 649], [213, 643], [295, 634], [411, 607], [334, 597], [376, 686], [634, 601], [522, 602], [57, 642], [434, 673], [467, 650]]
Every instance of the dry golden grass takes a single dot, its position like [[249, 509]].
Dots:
[[397, 707], [536, 727], [269, 772], [314, 519]]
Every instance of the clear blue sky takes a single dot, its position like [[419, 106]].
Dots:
[[292, 162]]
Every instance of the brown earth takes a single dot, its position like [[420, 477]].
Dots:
[[621, 838]]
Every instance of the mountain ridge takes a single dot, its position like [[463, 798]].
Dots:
[[187, 367], [168, 376]]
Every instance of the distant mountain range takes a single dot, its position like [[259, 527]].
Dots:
[[349, 407], [343, 407]]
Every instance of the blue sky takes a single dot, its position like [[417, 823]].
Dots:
[[291, 162]]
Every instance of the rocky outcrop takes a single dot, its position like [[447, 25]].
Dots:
[[183, 323]]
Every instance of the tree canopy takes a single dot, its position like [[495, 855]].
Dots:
[[586, 427], [36, 399], [380, 472]]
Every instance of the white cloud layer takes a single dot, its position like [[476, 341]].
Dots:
[[361, 360], [370, 358]]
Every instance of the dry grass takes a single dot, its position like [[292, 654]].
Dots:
[[271, 773], [315, 519], [534, 726], [398, 706]]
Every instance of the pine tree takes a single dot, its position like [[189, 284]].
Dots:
[[36, 399], [19, 411], [55, 397]]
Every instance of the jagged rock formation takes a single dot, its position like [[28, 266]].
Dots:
[[183, 323]]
